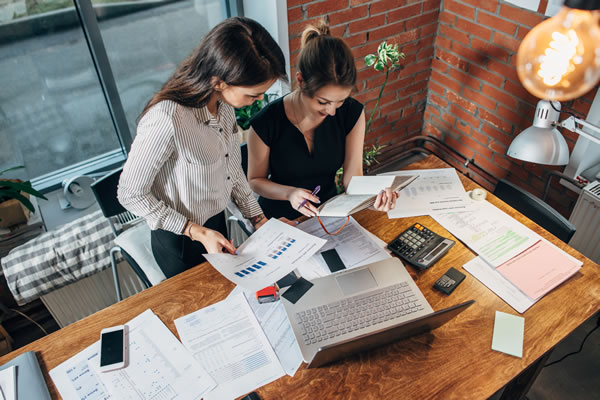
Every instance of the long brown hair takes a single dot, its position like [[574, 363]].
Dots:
[[239, 51], [324, 60]]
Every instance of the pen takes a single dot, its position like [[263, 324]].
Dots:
[[305, 200]]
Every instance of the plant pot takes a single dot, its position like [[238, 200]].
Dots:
[[12, 212]]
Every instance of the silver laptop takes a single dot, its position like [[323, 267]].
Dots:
[[361, 308]]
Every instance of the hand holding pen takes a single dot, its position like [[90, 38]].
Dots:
[[300, 199]]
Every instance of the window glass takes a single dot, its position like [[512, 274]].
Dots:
[[53, 113], [145, 41]]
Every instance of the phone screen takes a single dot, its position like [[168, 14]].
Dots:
[[111, 351]]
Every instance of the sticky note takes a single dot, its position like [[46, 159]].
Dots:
[[508, 334]]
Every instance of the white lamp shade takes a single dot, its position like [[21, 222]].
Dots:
[[540, 146]]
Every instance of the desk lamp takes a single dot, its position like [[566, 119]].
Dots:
[[559, 59]]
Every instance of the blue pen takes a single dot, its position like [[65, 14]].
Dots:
[[314, 192]]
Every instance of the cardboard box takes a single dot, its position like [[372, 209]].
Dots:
[[12, 212]]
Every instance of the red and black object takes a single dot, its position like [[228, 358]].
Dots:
[[267, 295]]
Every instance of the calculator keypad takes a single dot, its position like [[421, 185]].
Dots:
[[414, 244]]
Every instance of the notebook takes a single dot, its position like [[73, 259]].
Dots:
[[30, 380], [361, 193], [362, 308]]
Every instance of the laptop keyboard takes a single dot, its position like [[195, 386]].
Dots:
[[334, 319]]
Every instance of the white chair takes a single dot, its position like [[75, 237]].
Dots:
[[132, 234]]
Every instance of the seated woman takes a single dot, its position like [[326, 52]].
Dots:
[[303, 138]]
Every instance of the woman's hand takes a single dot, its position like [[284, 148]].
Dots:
[[287, 221], [386, 200], [211, 239], [297, 196]]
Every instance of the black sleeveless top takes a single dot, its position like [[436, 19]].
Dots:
[[290, 162]]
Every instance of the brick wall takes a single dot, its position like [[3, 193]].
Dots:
[[365, 24], [459, 81]]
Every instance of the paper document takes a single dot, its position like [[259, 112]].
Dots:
[[508, 334], [361, 193], [275, 324], [272, 252], [353, 244], [159, 366], [498, 284], [8, 382], [228, 341], [488, 231], [74, 379], [539, 269], [435, 190]]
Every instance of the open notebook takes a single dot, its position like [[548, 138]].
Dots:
[[362, 192]]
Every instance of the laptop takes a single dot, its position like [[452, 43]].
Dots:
[[359, 309]]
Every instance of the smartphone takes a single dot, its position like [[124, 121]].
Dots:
[[113, 348]]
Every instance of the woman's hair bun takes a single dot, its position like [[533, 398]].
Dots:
[[315, 30]]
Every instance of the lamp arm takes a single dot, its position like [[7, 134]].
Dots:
[[576, 125]]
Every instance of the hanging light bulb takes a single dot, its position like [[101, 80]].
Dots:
[[559, 59]]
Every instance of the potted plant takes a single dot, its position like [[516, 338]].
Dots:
[[387, 59], [244, 114], [15, 205]]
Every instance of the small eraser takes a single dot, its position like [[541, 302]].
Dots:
[[478, 194]]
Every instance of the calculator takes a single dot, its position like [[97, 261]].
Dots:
[[420, 246]]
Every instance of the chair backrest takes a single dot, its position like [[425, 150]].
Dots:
[[105, 190], [535, 209]]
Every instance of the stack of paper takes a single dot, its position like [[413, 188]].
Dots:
[[514, 262]]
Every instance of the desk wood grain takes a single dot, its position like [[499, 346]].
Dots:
[[454, 361]]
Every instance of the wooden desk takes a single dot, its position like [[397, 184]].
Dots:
[[454, 361]]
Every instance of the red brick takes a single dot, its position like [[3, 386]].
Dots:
[[458, 146], [443, 79], [520, 15], [469, 53], [325, 7], [426, 54], [473, 28], [455, 34], [459, 9], [436, 88], [367, 23], [464, 128], [447, 18], [522, 32], [439, 65], [502, 160], [465, 116], [480, 137], [442, 42], [356, 40], [487, 5], [497, 134], [456, 99], [422, 20], [427, 30], [429, 5], [490, 167], [504, 70], [493, 120], [385, 5], [294, 3], [508, 42], [497, 147], [498, 24], [294, 14], [446, 121], [490, 50], [517, 90], [416, 67], [451, 59], [464, 79], [386, 31], [484, 151], [400, 38], [484, 74], [403, 13], [295, 43], [438, 100], [347, 15], [338, 31], [298, 27], [506, 99], [357, 2], [479, 99]]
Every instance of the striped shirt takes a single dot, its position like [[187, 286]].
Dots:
[[185, 164]]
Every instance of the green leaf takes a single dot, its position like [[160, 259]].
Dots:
[[370, 60], [17, 196], [12, 169], [379, 66], [22, 187]]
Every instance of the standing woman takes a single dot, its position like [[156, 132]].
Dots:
[[185, 162], [302, 139]]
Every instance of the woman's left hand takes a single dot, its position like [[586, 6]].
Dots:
[[386, 200]]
